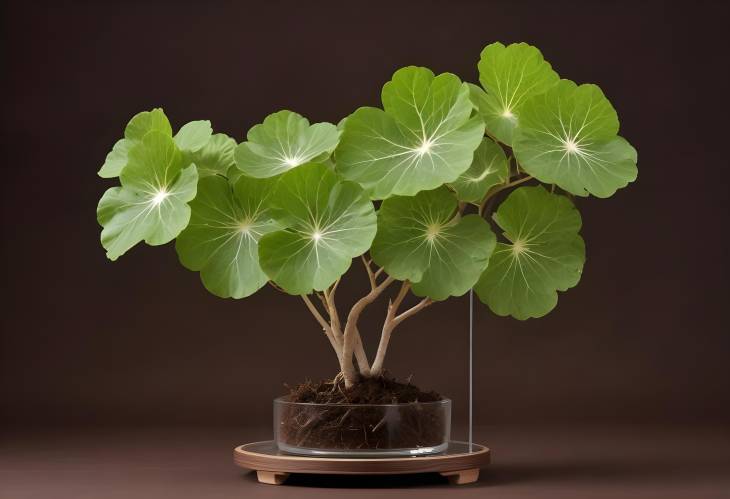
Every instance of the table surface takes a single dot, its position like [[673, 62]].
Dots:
[[690, 462]]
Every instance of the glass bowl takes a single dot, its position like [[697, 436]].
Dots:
[[362, 430]]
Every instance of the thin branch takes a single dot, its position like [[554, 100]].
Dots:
[[371, 275], [329, 303], [325, 326], [393, 307], [487, 206], [333, 289], [322, 300], [512, 184], [391, 322], [315, 312], [381, 287], [413, 310], [500, 188], [493, 138]]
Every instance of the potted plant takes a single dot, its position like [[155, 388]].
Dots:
[[449, 187]]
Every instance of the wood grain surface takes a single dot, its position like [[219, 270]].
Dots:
[[251, 456]]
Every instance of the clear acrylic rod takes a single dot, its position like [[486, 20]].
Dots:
[[471, 379]]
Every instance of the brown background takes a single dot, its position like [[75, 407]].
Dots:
[[644, 338]]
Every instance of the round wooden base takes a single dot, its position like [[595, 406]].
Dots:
[[273, 467]]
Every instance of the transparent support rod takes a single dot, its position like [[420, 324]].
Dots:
[[471, 368]]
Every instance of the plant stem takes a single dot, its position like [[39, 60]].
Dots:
[[329, 301], [351, 336], [325, 326], [500, 188], [391, 322], [493, 138], [377, 368], [371, 276], [362, 359]]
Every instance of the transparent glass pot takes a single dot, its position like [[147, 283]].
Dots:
[[362, 430]]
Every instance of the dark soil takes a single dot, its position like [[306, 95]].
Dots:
[[351, 424]]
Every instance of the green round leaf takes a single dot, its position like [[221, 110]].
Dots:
[[116, 159], [490, 167], [423, 138], [136, 129], [284, 141], [221, 240], [233, 174], [420, 239], [545, 254], [215, 157], [567, 136], [510, 76], [151, 204], [328, 223], [145, 122], [194, 135]]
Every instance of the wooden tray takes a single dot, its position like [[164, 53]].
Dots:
[[273, 467]]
